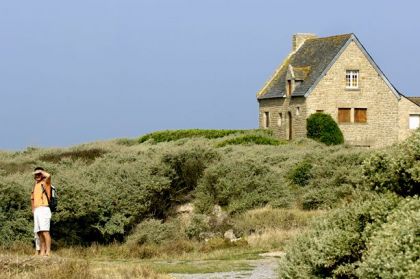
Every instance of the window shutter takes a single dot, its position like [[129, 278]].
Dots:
[[344, 115], [360, 115]]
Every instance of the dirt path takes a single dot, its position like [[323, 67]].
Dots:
[[261, 269]]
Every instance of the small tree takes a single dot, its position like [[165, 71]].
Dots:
[[321, 127]]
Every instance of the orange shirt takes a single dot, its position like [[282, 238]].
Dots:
[[38, 195]]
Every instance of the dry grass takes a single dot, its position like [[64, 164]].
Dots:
[[13, 266], [267, 218], [272, 239]]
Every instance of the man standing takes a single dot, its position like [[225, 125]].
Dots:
[[41, 194]]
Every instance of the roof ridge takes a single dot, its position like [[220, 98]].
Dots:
[[332, 36]]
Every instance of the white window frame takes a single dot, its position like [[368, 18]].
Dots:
[[352, 79], [413, 121]]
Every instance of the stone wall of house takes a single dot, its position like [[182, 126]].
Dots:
[[387, 116], [373, 94], [405, 109], [279, 110]]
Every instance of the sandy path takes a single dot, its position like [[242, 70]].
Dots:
[[262, 269]]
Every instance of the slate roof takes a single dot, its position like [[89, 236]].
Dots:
[[308, 62], [415, 100]]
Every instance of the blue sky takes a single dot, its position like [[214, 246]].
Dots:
[[86, 70]]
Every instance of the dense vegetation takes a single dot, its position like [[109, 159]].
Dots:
[[322, 127], [108, 188], [377, 235], [128, 191]]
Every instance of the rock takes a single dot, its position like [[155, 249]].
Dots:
[[184, 208], [218, 216], [230, 235]]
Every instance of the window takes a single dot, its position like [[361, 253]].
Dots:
[[414, 121], [352, 79], [344, 115], [360, 115], [297, 110], [289, 87], [266, 119], [280, 120]]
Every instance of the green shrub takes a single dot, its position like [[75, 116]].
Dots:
[[102, 202], [153, 231], [301, 173], [333, 178], [87, 155], [184, 166], [16, 167], [199, 224], [325, 197], [333, 248], [238, 185], [397, 169], [15, 213], [172, 135], [394, 250], [321, 127], [127, 142], [250, 139]]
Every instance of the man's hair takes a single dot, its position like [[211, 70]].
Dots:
[[38, 168]]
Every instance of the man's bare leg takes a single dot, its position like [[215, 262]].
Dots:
[[42, 243], [47, 239]]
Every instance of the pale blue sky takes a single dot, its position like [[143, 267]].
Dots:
[[86, 70]]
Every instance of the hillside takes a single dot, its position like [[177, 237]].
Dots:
[[176, 192]]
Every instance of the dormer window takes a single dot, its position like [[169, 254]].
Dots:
[[352, 79]]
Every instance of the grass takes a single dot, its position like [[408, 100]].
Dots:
[[250, 140], [87, 155], [173, 135], [197, 266], [13, 266]]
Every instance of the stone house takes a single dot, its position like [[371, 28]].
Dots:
[[337, 76]]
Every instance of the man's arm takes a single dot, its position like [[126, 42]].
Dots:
[[47, 177]]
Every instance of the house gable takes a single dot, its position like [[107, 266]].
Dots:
[[373, 96], [354, 39], [313, 59]]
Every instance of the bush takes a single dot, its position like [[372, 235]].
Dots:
[[172, 135], [397, 169], [88, 155], [199, 224], [321, 127], [250, 139], [238, 185], [325, 198], [183, 166], [393, 251], [15, 214], [301, 173], [333, 248], [153, 231]]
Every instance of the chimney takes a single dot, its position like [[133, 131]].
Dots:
[[300, 38]]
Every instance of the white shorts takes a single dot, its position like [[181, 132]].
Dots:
[[42, 218]]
